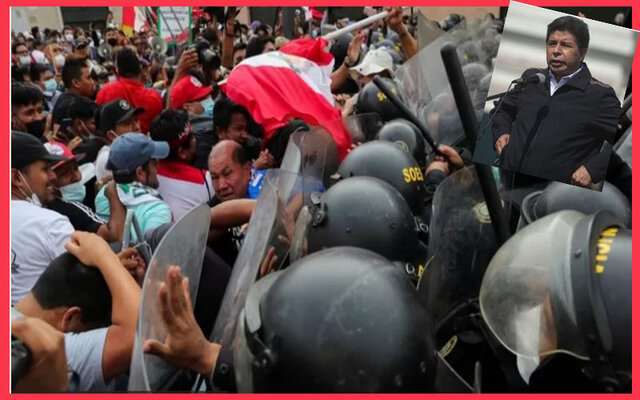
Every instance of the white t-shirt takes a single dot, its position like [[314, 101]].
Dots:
[[84, 356], [38, 236], [101, 163]]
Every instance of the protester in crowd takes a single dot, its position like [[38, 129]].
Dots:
[[111, 36], [182, 185], [133, 161], [27, 109], [231, 123], [87, 294], [239, 53], [38, 235], [42, 76], [129, 86], [20, 53], [230, 170], [70, 193], [192, 96], [77, 82], [113, 119], [260, 44], [81, 128]]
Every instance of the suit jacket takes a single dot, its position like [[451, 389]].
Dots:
[[552, 136]]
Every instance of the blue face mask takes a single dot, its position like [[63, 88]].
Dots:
[[74, 192], [207, 107], [50, 85]]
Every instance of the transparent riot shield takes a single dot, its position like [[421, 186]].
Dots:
[[428, 31], [309, 161], [361, 127], [461, 244], [424, 85], [183, 245]]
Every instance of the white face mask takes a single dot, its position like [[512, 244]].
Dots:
[[59, 59], [33, 198], [68, 37], [112, 78], [25, 60]]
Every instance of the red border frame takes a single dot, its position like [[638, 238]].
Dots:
[[5, 185]]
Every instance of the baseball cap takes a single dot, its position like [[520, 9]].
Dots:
[[60, 149], [374, 62], [131, 150], [27, 149], [81, 41], [114, 112], [188, 89]]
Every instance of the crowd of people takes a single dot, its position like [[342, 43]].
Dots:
[[105, 126]]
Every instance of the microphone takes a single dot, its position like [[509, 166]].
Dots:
[[537, 78]]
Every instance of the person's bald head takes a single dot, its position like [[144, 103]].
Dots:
[[230, 169]]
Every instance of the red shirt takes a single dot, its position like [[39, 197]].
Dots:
[[137, 95]]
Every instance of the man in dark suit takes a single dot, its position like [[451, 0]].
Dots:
[[561, 129]]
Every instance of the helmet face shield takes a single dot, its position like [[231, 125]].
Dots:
[[245, 345], [242, 358], [526, 297]]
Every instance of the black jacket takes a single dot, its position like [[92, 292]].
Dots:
[[552, 136]]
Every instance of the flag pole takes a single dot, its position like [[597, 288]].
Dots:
[[357, 25]]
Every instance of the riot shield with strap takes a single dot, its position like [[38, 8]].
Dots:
[[461, 244], [309, 161], [362, 127], [183, 245]]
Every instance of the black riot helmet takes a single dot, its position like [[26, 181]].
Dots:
[[560, 196], [339, 49], [371, 99], [386, 161], [368, 213], [573, 298], [407, 136], [340, 320]]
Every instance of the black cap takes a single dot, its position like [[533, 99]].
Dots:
[[27, 149], [116, 111]]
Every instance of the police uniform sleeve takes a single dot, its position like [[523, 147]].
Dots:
[[223, 376], [605, 125]]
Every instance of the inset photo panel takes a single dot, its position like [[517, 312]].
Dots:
[[557, 96]]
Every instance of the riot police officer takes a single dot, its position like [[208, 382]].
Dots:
[[565, 312], [340, 320]]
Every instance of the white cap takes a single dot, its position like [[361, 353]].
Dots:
[[375, 61]]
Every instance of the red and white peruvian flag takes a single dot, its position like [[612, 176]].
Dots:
[[294, 82]]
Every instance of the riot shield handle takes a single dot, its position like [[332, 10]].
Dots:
[[143, 248], [470, 125], [408, 114]]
